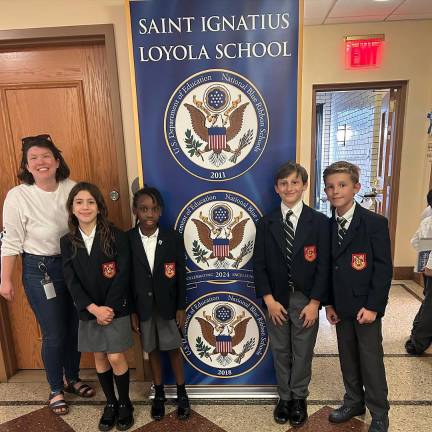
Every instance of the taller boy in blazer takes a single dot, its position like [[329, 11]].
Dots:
[[291, 270], [361, 278]]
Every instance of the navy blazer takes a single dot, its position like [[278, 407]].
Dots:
[[98, 278], [362, 266], [165, 288], [310, 266]]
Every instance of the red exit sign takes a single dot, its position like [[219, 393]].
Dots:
[[363, 51]]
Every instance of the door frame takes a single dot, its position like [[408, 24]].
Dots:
[[61, 36], [401, 87]]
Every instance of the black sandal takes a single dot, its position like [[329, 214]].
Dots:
[[59, 407], [84, 390]]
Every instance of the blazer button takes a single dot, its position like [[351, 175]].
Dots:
[[150, 294], [336, 267]]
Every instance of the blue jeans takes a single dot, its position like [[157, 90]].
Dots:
[[57, 317]]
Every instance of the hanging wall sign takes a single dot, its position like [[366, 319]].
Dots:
[[216, 97]]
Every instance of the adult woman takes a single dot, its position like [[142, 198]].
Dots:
[[34, 218]]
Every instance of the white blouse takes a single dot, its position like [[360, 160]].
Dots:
[[34, 220]]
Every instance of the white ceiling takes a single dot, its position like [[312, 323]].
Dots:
[[347, 11]]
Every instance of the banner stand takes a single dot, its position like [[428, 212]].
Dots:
[[226, 392], [216, 93]]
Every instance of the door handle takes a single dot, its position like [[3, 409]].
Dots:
[[114, 195]]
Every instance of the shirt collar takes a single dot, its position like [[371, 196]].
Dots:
[[297, 209], [154, 235], [88, 237], [348, 215]]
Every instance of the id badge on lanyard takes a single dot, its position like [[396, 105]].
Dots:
[[46, 282]]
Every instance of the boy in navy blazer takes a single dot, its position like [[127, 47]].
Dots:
[[291, 269], [361, 278]]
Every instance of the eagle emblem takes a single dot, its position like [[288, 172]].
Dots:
[[217, 121], [223, 331], [220, 233]]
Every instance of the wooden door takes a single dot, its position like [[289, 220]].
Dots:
[[63, 91], [386, 153]]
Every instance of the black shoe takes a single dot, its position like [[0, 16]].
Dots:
[[298, 413], [281, 413], [411, 349], [183, 407], [345, 413], [379, 424], [158, 407], [125, 416], [109, 417]]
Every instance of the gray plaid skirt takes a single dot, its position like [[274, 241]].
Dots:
[[113, 338]]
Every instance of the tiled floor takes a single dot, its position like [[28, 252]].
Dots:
[[22, 401]]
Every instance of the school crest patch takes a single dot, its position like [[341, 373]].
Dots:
[[358, 261], [109, 269], [170, 270], [310, 253]]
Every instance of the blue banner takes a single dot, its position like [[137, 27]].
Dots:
[[216, 86]]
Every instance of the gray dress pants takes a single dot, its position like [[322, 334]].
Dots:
[[292, 347], [361, 358]]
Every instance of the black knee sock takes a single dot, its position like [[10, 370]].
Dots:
[[122, 383], [107, 384]]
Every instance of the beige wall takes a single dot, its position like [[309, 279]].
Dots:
[[407, 57]]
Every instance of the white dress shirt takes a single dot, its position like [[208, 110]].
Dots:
[[88, 239], [426, 212], [149, 244], [294, 218], [347, 216], [423, 231]]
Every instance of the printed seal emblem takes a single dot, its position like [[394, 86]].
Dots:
[[216, 125], [226, 335], [219, 234]]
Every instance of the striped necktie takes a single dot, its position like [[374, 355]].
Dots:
[[341, 230], [289, 237]]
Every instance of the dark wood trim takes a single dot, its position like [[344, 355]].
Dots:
[[396, 163], [374, 85], [118, 123], [403, 273], [418, 278], [8, 364], [401, 87], [312, 171], [73, 35], [68, 35]]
